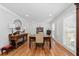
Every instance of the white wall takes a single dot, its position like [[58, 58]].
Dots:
[[6, 17], [32, 27], [59, 30], [58, 21]]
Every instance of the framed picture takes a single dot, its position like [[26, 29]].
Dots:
[[39, 29]]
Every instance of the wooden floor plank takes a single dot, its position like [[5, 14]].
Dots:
[[23, 50]]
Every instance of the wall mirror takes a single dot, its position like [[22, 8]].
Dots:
[[18, 24]]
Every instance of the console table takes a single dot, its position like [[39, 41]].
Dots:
[[14, 38]]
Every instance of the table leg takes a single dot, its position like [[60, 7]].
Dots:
[[15, 45], [50, 43], [29, 43], [23, 39], [26, 37]]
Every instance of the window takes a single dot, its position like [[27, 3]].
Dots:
[[53, 30], [69, 32]]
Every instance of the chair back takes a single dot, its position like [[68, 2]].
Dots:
[[48, 32], [39, 37]]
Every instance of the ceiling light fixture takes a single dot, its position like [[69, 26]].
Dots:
[[27, 15], [50, 14]]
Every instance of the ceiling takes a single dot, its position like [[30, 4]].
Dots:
[[37, 12]]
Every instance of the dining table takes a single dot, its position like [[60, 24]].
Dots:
[[46, 38]]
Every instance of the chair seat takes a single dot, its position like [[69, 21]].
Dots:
[[7, 48]]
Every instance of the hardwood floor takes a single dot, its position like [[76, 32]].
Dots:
[[23, 50]]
